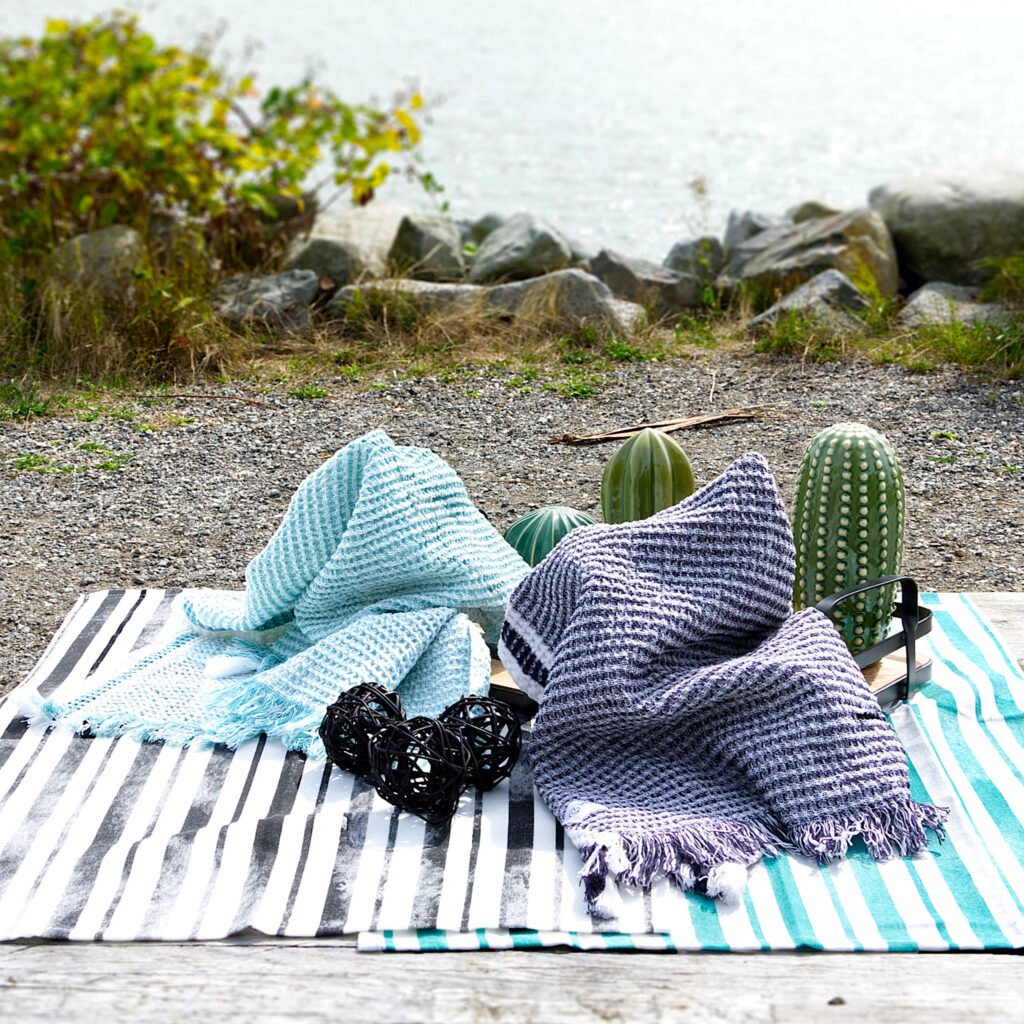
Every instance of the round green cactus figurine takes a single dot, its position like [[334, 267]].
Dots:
[[536, 533], [848, 527], [648, 473]]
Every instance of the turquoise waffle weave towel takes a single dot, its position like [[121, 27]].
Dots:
[[378, 571]]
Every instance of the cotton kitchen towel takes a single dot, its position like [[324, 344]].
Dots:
[[379, 571], [689, 724]]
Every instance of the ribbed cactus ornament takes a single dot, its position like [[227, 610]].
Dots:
[[648, 473], [848, 526], [536, 533]]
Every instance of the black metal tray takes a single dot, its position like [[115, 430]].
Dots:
[[504, 688], [892, 676]]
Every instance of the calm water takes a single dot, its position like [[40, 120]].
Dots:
[[600, 114]]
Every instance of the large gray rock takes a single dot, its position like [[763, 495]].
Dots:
[[744, 224], [427, 247], [564, 300], [342, 262], [856, 243], [809, 210], [105, 260], [941, 303], [371, 229], [465, 232], [274, 300], [485, 225], [945, 225], [404, 295], [830, 297], [582, 252], [739, 255], [703, 257], [524, 246], [664, 291]]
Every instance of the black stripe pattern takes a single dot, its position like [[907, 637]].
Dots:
[[106, 838]]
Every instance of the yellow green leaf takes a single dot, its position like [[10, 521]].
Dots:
[[411, 127]]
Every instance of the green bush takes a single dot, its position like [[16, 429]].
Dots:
[[101, 125]]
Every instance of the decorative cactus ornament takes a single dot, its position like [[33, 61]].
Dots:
[[536, 533], [848, 526], [648, 473]]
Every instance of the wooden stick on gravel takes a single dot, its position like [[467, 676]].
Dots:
[[707, 419], [203, 398]]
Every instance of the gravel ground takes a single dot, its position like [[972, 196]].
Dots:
[[184, 492]]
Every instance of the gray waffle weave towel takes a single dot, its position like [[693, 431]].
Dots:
[[689, 724]]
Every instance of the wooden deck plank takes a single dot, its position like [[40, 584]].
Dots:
[[282, 981], [1006, 612], [259, 980]]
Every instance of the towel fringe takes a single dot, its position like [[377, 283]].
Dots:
[[711, 857], [233, 715], [59, 716], [898, 830]]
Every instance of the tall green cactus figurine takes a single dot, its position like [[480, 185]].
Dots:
[[848, 527], [648, 473]]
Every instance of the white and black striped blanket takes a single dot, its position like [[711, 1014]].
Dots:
[[113, 839]]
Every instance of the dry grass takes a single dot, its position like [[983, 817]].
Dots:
[[394, 342], [157, 332], [993, 349]]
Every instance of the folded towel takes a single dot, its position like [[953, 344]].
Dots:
[[382, 570], [689, 724]]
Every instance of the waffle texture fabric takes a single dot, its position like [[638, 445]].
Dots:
[[689, 723], [381, 569]]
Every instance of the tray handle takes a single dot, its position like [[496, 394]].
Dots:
[[916, 621]]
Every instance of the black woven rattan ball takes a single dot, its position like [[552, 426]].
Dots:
[[420, 766], [352, 719], [493, 735]]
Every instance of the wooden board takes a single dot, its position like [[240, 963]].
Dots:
[[254, 980], [885, 672], [329, 982], [1006, 611]]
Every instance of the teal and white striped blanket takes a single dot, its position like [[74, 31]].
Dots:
[[109, 838]]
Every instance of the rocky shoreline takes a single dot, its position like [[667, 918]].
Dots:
[[931, 240], [184, 492], [923, 245]]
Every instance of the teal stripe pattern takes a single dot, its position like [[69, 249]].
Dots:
[[382, 569], [963, 732]]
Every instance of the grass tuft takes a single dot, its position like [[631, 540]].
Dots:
[[22, 401], [33, 462], [308, 391]]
